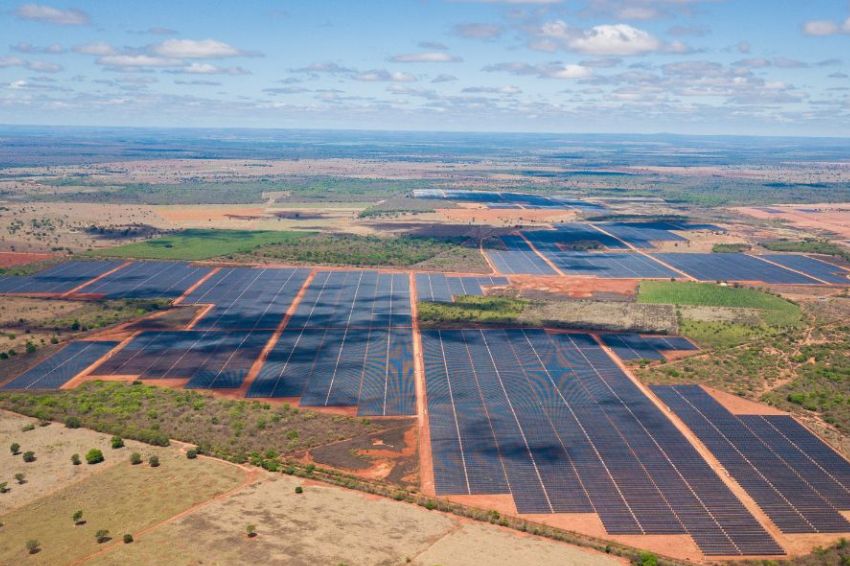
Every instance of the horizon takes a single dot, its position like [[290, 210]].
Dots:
[[647, 67]]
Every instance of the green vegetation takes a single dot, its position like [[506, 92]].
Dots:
[[399, 206], [729, 248], [472, 309], [225, 428], [94, 456], [366, 251], [809, 245], [75, 459], [198, 244], [774, 314], [29, 456], [153, 461], [135, 458]]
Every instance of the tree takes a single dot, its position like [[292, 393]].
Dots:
[[29, 456], [4, 487], [75, 459], [251, 530], [192, 453], [72, 422], [154, 461], [135, 458], [78, 517], [94, 456], [299, 489], [15, 448], [101, 536], [117, 442], [33, 546], [128, 538], [20, 477]]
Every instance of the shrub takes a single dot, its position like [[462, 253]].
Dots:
[[299, 489], [128, 538], [101, 536], [117, 442], [192, 453], [78, 517], [135, 458], [72, 422], [15, 448], [647, 559], [4, 487], [33, 546], [21, 478], [154, 461], [94, 456], [29, 456], [75, 459], [251, 530], [28, 427]]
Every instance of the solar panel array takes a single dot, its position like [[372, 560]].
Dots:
[[625, 265], [732, 267], [348, 343], [147, 280], [570, 233], [62, 366], [247, 298], [814, 267], [642, 234], [518, 257], [208, 359], [60, 278], [438, 287], [798, 493], [630, 347], [552, 420]]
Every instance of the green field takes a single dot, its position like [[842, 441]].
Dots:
[[808, 246], [196, 244], [465, 309], [729, 248]]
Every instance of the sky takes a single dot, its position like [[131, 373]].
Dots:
[[743, 67]]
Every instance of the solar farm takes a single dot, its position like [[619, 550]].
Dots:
[[535, 422]]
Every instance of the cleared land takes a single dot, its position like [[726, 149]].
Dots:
[[113, 495]]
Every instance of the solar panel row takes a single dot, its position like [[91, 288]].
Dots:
[[518, 257], [553, 421], [62, 366], [147, 280], [814, 267], [57, 279], [643, 234], [797, 495], [355, 298], [208, 359], [570, 234], [630, 347], [438, 287], [732, 267], [611, 265], [246, 298]]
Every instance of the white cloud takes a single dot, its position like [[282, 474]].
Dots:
[[195, 49], [820, 28], [570, 72], [443, 78], [95, 48], [508, 90], [616, 39], [24, 47], [381, 75], [208, 69], [49, 14], [138, 61], [37, 66], [478, 31], [549, 71], [426, 57]]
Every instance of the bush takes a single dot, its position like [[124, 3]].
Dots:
[[154, 461], [29, 456], [78, 517], [128, 538], [4, 487], [94, 456], [21, 478], [33, 546], [72, 422], [251, 530], [15, 448], [299, 489], [135, 458], [28, 427], [101, 536], [117, 442], [75, 459], [647, 559], [192, 453]]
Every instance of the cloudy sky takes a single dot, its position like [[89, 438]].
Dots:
[[687, 66]]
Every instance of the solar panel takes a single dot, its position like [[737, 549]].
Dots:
[[62, 366], [57, 279], [147, 280]]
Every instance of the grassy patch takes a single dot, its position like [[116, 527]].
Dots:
[[140, 496], [492, 310], [809, 245], [197, 244], [729, 248], [368, 251], [228, 429]]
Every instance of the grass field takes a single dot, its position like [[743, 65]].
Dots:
[[113, 495], [197, 244], [493, 310], [808, 246]]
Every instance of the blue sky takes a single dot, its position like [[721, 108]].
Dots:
[[684, 66]]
